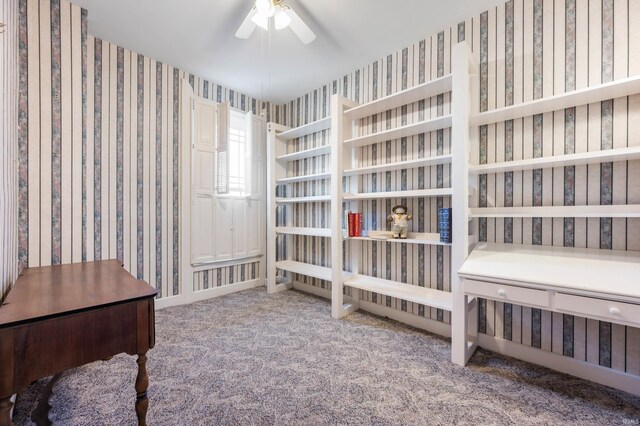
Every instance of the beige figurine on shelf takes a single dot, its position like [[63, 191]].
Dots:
[[399, 222]]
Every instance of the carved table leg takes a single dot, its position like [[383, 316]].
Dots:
[[5, 411], [40, 415], [142, 383]]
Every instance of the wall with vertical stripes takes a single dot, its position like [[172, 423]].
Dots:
[[99, 152], [8, 145], [527, 49]]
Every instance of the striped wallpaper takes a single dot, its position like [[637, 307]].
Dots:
[[8, 144], [218, 277], [527, 49], [99, 151]]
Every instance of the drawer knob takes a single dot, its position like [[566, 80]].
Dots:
[[614, 311], [502, 292]]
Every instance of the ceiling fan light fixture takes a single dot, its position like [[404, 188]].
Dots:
[[265, 8], [281, 18], [261, 20]]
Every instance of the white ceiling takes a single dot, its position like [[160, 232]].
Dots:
[[198, 36]]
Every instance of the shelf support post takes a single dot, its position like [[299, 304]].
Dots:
[[460, 110]]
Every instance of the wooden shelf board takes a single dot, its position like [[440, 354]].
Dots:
[[307, 129], [601, 92], [312, 199], [631, 210], [304, 178], [400, 132], [301, 268], [412, 293], [307, 153], [413, 238], [313, 232], [404, 97], [439, 192], [593, 157], [591, 270], [409, 164]]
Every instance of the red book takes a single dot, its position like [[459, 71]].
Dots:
[[357, 225], [351, 225]]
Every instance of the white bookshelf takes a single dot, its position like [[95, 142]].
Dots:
[[320, 272], [401, 132], [588, 95], [277, 174], [625, 210], [307, 129], [303, 178], [412, 238], [345, 158], [414, 193], [312, 232], [306, 153], [309, 199], [399, 165], [404, 97], [591, 283], [412, 293], [577, 159]]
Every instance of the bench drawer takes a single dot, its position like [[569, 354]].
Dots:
[[507, 293], [619, 312]]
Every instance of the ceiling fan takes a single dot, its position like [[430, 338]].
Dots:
[[283, 17]]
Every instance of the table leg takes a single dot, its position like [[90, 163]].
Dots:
[[5, 411], [142, 383]]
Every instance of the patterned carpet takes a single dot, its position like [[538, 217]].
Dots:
[[254, 358]]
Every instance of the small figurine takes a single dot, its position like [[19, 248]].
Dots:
[[399, 222]]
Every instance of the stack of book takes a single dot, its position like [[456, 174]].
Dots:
[[444, 220], [354, 224]]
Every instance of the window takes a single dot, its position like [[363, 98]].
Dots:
[[238, 154], [234, 152]]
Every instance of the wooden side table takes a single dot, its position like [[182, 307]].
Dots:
[[61, 317]]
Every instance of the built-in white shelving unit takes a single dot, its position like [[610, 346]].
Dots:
[[309, 199], [349, 139], [412, 293], [401, 132], [593, 283], [278, 174], [576, 281], [582, 158], [588, 95], [625, 210], [320, 272], [404, 97], [307, 129], [413, 238], [307, 153], [304, 178], [399, 165], [414, 193], [312, 232]]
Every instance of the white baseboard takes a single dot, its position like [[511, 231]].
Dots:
[[427, 324], [416, 321], [584, 370], [209, 293]]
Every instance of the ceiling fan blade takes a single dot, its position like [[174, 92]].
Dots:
[[301, 29], [246, 28]]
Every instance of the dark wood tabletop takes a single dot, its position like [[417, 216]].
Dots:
[[56, 318], [55, 290]]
